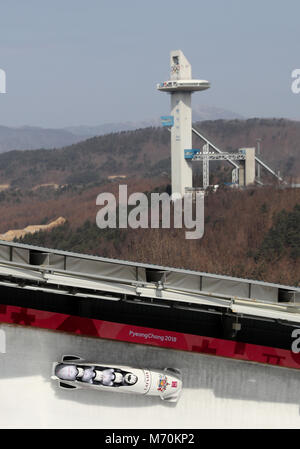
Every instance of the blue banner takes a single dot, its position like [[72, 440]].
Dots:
[[167, 120]]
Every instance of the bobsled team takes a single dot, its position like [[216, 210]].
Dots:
[[94, 375], [73, 372]]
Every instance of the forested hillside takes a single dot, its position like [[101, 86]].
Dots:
[[249, 233], [146, 152], [253, 233]]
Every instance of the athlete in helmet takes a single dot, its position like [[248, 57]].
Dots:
[[107, 377], [88, 374], [130, 379]]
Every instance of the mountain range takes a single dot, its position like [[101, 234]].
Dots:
[[32, 138], [146, 153]]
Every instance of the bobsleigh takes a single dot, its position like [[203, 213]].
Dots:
[[73, 372]]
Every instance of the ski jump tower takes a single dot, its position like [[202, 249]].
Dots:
[[181, 86]]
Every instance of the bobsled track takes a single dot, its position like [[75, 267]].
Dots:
[[217, 392]]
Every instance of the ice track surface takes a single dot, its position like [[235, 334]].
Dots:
[[216, 392]]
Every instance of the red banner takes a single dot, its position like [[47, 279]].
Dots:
[[148, 336]]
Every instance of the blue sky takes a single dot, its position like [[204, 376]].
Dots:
[[71, 62]]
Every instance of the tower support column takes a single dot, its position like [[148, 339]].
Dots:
[[181, 139]]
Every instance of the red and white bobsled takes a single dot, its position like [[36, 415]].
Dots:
[[74, 372]]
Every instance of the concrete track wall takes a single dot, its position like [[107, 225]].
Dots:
[[217, 392]]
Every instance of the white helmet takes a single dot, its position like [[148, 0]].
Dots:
[[130, 378], [80, 371], [66, 372], [118, 377], [99, 376]]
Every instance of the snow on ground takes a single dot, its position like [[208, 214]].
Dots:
[[218, 393]]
